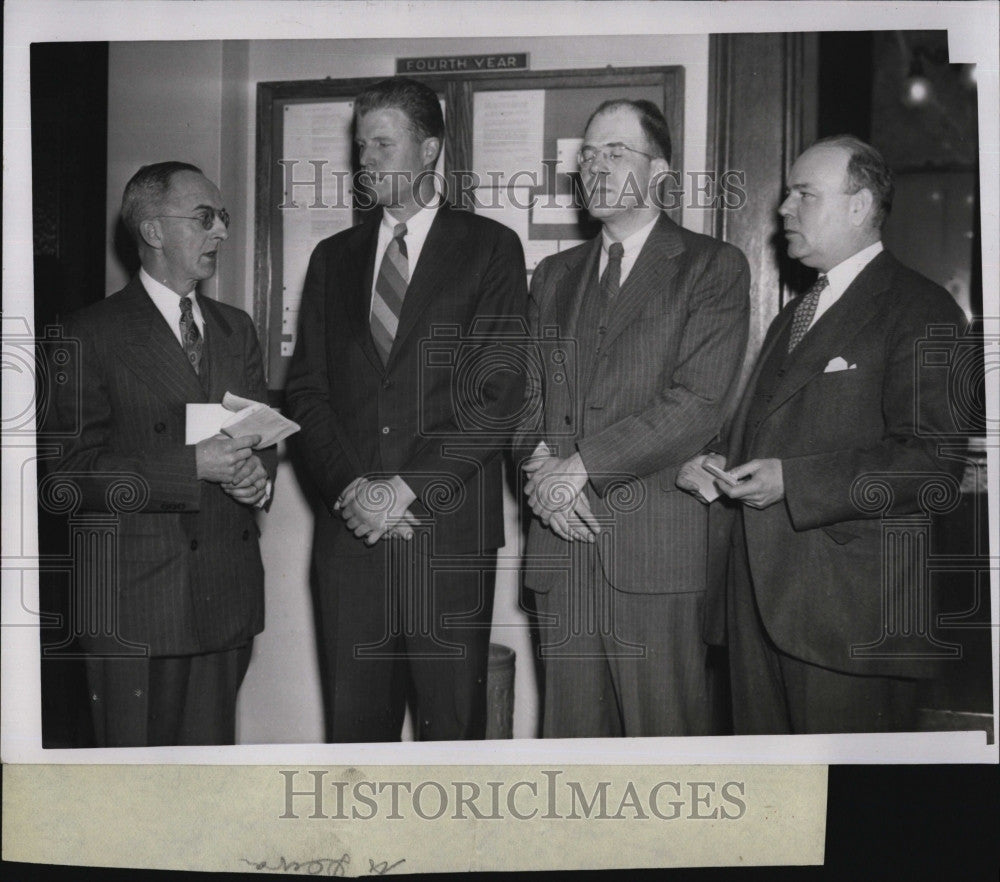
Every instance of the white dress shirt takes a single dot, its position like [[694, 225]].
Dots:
[[168, 302], [417, 228], [632, 245], [841, 276]]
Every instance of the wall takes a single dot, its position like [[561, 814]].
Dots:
[[197, 101]]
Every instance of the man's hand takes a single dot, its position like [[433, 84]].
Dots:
[[555, 494], [219, 458], [692, 478], [761, 483], [249, 483], [378, 509]]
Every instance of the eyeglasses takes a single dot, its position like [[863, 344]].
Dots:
[[206, 217], [610, 153]]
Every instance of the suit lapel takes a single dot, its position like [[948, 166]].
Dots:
[[434, 272], [567, 299], [833, 332], [654, 270], [774, 333], [151, 350], [222, 348], [357, 285]]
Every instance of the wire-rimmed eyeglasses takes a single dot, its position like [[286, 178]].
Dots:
[[609, 153], [206, 217]]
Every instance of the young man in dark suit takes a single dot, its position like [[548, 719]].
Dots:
[[841, 422], [178, 608], [406, 404], [654, 320]]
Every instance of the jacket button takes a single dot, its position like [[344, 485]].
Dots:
[[246, 535], [388, 384], [567, 420], [385, 430], [194, 544], [160, 428]]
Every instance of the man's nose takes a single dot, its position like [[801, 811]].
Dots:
[[219, 229], [601, 164], [785, 209]]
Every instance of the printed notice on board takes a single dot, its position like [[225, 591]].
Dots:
[[316, 150]]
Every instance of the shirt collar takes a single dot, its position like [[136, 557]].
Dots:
[[632, 244], [160, 292], [168, 302], [845, 272], [420, 223]]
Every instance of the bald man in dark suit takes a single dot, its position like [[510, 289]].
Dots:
[[186, 588], [837, 401]]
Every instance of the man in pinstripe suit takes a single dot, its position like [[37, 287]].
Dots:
[[185, 593], [654, 320]]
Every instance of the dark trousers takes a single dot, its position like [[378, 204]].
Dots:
[[775, 694], [623, 664], [175, 700], [397, 624]]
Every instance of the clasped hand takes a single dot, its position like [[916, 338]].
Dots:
[[231, 463], [555, 494], [378, 509], [761, 481]]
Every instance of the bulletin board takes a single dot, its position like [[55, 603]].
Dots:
[[510, 153]]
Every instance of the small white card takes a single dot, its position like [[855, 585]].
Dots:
[[203, 421]]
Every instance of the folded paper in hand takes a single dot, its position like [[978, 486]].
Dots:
[[237, 417]]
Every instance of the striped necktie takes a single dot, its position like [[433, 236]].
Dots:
[[390, 288], [611, 280], [805, 311], [190, 336]]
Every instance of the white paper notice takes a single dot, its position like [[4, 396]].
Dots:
[[511, 207], [508, 136], [566, 152], [312, 133]]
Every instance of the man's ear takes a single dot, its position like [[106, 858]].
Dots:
[[659, 166], [429, 150], [151, 233], [861, 206]]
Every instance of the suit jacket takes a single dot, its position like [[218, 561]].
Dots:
[[189, 574], [440, 412], [640, 403], [816, 558]]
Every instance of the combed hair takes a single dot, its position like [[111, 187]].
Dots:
[[654, 125], [147, 189], [866, 169], [418, 102]]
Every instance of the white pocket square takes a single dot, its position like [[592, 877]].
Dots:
[[838, 364]]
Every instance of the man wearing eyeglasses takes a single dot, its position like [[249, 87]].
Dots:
[[184, 597], [656, 322]]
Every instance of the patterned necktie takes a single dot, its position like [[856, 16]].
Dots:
[[611, 280], [805, 311], [190, 336], [390, 288]]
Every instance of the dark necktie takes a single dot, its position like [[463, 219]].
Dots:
[[390, 288], [805, 311], [611, 280], [190, 336]]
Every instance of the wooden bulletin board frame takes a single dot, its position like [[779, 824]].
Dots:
[[458, 91]]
